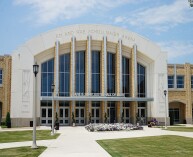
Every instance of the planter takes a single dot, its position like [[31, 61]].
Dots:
[[73, 124], [57, 126], [8, 125]]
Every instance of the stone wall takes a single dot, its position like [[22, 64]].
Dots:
[[5, 88], [182, 95]]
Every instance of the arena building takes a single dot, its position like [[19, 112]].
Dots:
[[100, 72]]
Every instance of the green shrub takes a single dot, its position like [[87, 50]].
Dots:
[[8, 119]]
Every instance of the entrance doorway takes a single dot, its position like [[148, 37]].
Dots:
[[95, 112], [64, 117], [111, 112], [80, 113], [174, 114], [46, 113], [126, 112], [177, 112], [142, 113]]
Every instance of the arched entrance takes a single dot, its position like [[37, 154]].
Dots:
[[177, 112]]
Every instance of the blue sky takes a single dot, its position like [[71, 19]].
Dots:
[[169, 23]]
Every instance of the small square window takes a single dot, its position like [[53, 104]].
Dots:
[[180, 81], [170, 81]]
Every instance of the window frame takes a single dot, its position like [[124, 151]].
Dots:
[[178, 85], [170, 84]]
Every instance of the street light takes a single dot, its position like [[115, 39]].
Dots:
[[35, 71], [52, 87], [165, 93]]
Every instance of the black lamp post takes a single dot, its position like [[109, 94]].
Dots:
[[165, 93], [35, 71], [52, 88]]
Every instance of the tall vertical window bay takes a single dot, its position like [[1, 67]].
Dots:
[[141, 80], [125, 76], [95, 72], [110, 72], [47, 77], [80, 72], [64, 75]]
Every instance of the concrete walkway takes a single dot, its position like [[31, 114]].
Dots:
[[78, 142]]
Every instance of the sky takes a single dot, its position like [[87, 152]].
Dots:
[[168, 23]]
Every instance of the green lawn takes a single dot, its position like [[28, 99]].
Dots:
[[21, 152], [18, 136], [183, 129], [155, 146]]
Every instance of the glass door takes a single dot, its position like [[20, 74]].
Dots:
[[95, 115], [142, 113], [64, 116], [95, 112], [80, 116], [111, 112], [46, 115], [126, 114]]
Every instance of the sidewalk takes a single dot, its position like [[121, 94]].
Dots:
[[78, 142]]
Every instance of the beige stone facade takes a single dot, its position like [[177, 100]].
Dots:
[[180, 99], [112, 44], [5, 87]]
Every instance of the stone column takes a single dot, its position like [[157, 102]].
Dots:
[[104, 67], [187, 84], [72, 72], [56, 74], [175, 77], [88, 66], [103, 79], [118, 74], [133, 83]]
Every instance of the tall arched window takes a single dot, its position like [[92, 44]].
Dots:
[[141, 80], [64, 71], [110, 72], [125, 76], [80, 72], [95, 72], [47, 77]]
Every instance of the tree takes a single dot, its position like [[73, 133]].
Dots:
[[8, 120]]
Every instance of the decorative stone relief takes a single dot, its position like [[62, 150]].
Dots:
[[25, 107], [25, 86], [161, 95]]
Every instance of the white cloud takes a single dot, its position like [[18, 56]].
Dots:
[[163, 17], [177, 49], [52, 10]]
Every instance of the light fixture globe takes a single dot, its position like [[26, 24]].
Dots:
[[52, 87], [35, 69], [165, 92]]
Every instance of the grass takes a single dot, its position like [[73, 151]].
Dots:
[[22, 152], [155, 146], [178, 125], [19, 136], [182, 129]]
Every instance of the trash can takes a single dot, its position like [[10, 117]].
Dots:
[[57, 126], [31, 124]]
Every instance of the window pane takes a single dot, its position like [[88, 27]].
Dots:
[[61, 112], [47, 77], [141, 80], [66, 112], [43, 112], [49, 112]]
